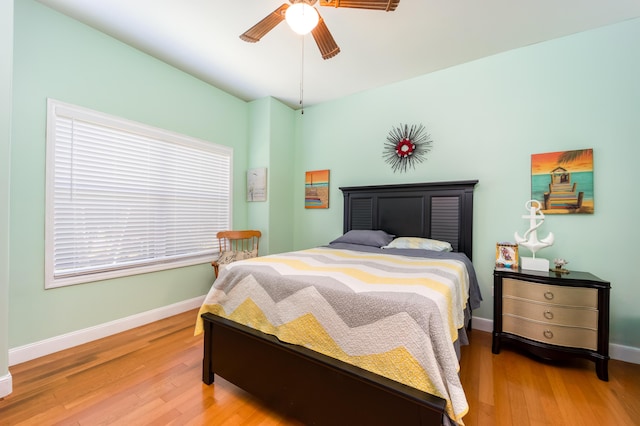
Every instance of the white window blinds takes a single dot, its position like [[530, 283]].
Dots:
[[126, 198]]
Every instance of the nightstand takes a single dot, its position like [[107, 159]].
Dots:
[[553, 316]]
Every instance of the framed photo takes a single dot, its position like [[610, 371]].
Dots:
[[257, 184], [316, 189], [507, 255]]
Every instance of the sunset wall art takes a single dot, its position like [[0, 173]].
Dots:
[[316, 189], [563, 181]]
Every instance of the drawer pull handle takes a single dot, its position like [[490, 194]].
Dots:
[[548, 314], [548, 334], [548, 295]]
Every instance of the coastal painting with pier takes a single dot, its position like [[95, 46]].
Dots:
[[563, 181], [316, 189]]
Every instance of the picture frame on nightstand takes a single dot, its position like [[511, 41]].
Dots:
[[507, 256]]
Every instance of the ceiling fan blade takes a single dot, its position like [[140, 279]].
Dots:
[[327, 45], [258, 31], [386, 5]]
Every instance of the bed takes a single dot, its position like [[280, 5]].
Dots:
[[326, 363]]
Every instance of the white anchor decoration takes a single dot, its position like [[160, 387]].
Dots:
[[530, 239]]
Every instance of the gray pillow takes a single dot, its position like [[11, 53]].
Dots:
[[374, 238]]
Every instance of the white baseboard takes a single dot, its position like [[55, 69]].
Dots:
[[65, 341], [619, 352], [624, 353], [6, 385], [482, 324]]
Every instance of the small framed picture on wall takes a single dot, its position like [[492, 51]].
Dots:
[[507, 255], [316, 189], [257, 184]]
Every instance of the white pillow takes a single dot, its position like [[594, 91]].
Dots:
[[419, 243]]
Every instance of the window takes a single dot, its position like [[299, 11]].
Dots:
[[124, 198]]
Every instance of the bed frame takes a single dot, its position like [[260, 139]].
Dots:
[[319, 390]]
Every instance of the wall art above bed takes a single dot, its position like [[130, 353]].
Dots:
[[405, 146]]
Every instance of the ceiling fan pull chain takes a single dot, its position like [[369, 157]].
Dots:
[[302, 77]]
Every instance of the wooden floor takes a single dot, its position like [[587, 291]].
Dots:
[[152, 376]]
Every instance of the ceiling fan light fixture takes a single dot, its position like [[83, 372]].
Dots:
[[302, 18]]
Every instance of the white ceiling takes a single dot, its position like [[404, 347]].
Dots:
[[201, 37]]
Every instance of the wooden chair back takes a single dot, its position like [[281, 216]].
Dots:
[[236, 241], [239, 240]]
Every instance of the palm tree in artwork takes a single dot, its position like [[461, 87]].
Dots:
[[570, 156]]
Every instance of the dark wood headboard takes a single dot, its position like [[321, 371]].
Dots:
[[441, 210]]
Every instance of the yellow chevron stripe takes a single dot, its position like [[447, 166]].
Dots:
[[372, 279], [397, 259], [388, 258], [397, 364], [360, 275]]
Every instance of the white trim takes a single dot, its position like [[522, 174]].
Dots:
[[6, 385], [624, 353], [617, 352], [65, 341], [482, 324], [116, 273]]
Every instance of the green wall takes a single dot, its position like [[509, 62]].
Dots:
[[55, 56], [281, 177], [486, 118], [6, 61], [271, 142], [258, 156]]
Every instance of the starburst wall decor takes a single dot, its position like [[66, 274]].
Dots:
[[406, 146]]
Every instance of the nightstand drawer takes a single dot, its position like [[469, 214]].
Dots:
[[551, 294], [552, 314], [575, 337]]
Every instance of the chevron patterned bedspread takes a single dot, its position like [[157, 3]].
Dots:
[[393, 315]]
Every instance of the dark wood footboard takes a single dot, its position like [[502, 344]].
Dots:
[[316, 389]]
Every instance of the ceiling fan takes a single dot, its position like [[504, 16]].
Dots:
[[323, 38]]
